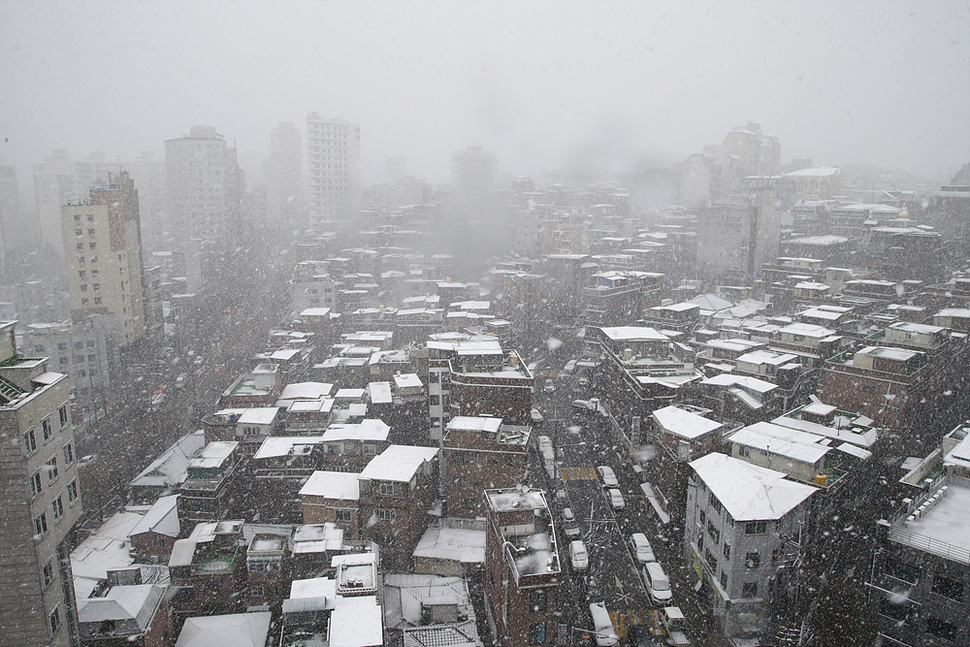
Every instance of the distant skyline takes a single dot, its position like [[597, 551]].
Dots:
[[542, 84]]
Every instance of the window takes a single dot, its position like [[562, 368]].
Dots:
[[710, 559], [40, 524], [97, 301], [703, 517], [158, 542], [537, 633], [714, 533], [749, 590], [459, 458], [752, 559], [52, 469], [77, 217], [78, 345], [62, 346], [84, 302], [58, 507], [30, 442], [902, 571], [94, 273], [538, 600], [434, 400], [434, 377], [899, 612], [756, 528], [941, 628], [97, 286], [84, 287], [948, 588], [256, 591], [714, 503], [90, 217], [62, 414], [35, 487], [90, 232], [724, 580], [92, 246], [727, 551], [384, 514], [48, 573], [344, 515], [387, 489], [78, 232], [68, 454], [72, 491], [55, 619], [370, 449], [47, 427]]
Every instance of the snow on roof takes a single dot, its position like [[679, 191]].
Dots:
[[232, 630], [406, 594], [909, 326], [314, 587], [367, 429], [398, 463], [749, 492], [817, 171], [137, 602], [945, 524], [380, 392], [317, 538], [960, 454], [258, 416], [633, 333], [306, 391], [214, 454], [162, 518], [276, 446], [170, 468], [332, 485], [767, 357], [475, 423], [961, 313], [407, 381], [711, 302], [685, 424], [48, 377], [898, 354], [847, 434], [782, 441], [454, 544], [809, 330], [350, 394], [744, 381], [106, 550], [479, 347], [358, 622]]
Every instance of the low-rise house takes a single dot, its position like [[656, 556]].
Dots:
[[125, 615], [231, 630], [429, 610], [397, 489], [260, 388], [333, 497], [209, 492], [208, 571], [165, 474], [451, 547], [153, 538]]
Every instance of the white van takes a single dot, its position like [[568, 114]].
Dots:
[[602, 625], [578, 557], [658, 586]]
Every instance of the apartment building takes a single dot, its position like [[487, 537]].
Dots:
[[333, 170], [41, 500]]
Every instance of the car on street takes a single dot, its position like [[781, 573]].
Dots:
[[549, 387], [536, 416], [607, 476], [658, 585], [569, 523], [616, 499], [642, 550], [570, 366], [602, 625], [578, 557]]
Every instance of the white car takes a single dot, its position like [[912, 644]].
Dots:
[[642, 549], [549, 387], [616, 499], [536, 416], [578, 557], [607, 476], [658, 586], [569, 523], [602, 625]]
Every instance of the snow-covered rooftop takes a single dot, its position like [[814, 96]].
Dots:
[[276, 446], [408, 381], [634, 333], [749, 492], [398, 463], [258, 416], [454, 544], [306, 391], [685, 424], [232, 630], [343, 486], [162, 518], [370, 429]]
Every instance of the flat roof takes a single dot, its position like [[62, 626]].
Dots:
[[685, 424]]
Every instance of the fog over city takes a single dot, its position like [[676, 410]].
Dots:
[[543, 84]]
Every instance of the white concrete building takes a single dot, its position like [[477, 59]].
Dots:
[[333, 170]]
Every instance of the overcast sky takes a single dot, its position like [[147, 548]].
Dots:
[[542, 83]]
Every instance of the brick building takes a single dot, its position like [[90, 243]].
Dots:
[[480, 454]]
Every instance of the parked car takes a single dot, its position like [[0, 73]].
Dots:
[[674, 624], [536, 416], [548, 387], [570, 366], [569, 523], [658, 586], [642, 550], [584, 405], [578, 557], [607, 476], [616, 499], [602, 625]]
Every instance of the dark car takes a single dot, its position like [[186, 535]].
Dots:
[[641, 636]]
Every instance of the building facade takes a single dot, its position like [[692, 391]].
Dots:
[[333, 170], [41, 501], [102, 247]]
